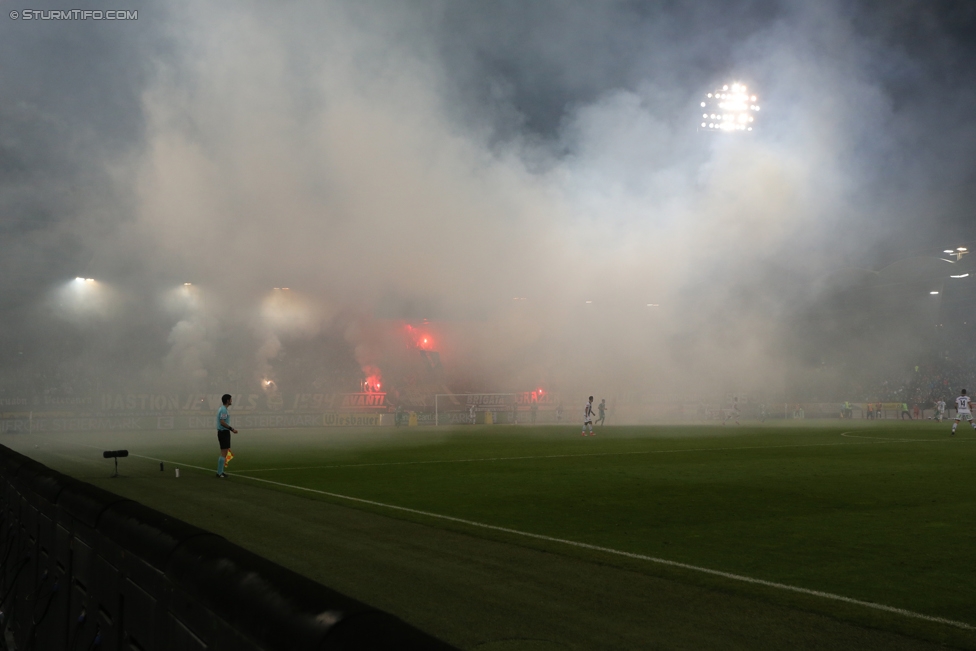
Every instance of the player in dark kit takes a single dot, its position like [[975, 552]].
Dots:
[[223, 434]]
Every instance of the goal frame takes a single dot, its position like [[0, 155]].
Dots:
[[438, 396]]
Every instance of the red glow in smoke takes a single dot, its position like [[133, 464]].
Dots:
[[374, 379], [372, 383], [421, 340]]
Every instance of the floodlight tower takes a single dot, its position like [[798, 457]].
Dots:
[[730, 109], [958, 252]]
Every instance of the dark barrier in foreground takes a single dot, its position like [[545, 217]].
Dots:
[[81, 568]]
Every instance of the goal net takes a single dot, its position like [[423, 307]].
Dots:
[[477, 409]]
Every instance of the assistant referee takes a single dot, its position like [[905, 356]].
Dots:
[[223, 434]]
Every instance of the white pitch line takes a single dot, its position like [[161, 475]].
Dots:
[[547, 456], [891, 440], [608, 550]]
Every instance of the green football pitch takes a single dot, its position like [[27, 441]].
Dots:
[[850, 535]]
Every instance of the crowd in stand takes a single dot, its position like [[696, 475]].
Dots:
[[941, 377]]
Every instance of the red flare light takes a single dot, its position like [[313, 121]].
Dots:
[[374, 379], [421, 340], [372, 383]]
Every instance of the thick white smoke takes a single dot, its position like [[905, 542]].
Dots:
[[321, 153], [566, 227]]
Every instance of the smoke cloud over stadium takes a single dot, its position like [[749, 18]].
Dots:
[[525, 184]]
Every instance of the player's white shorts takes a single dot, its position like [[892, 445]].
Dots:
[[588, 420], [964, 415]]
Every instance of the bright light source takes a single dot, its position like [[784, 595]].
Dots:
[[960, 276], [962, 248], [82, 298], [81, 280], [588, 302], [653, 305], [933, 293], [948, 251], [187, 284], [735, 110]]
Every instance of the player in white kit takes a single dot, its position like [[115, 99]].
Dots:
[[734, 412], [588, 417], [940, 410], [963, 412]]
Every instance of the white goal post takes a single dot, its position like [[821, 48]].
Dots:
[[459, 405]]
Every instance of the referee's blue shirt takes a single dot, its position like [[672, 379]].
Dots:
[[222, 415]]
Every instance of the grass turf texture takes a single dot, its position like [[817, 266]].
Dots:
[[885, 514]]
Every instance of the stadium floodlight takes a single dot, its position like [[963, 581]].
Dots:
[[82, 298], [958, 252], [960, 276], [933, 293], [729, 110]]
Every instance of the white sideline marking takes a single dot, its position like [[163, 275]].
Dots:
[[548, 456], [608, 550], [884, 438]]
